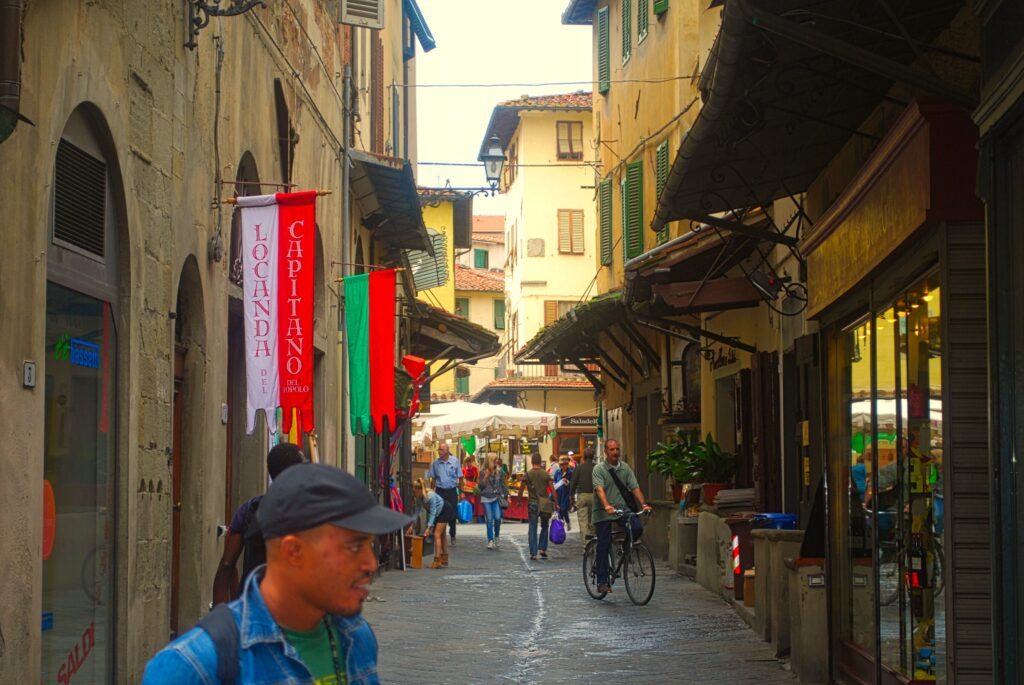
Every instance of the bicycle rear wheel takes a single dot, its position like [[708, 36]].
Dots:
[[590, 570], [638, 570]]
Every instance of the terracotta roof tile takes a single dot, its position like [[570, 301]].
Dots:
[[577, 100], [493, 238], [478, 279]]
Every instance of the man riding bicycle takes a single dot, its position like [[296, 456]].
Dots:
[[616, 489]]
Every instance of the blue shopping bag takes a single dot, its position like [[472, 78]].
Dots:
[[557, 532], [465, 511]]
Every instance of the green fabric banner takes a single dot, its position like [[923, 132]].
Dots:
[[357, 328], [469, 444]]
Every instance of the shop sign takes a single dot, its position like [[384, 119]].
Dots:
[[579, 421], [78, 352], [722, 357], [77, 656]]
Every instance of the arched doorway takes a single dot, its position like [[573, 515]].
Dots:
[[86, 262], [186, 467]]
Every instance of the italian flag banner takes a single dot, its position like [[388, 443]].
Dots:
[[370, 326], [279, 248]]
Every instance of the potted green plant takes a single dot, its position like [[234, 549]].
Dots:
[[671, 460], [707, 463]]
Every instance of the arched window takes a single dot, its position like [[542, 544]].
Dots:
[[684, 380]]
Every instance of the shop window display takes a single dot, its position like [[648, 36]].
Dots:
[[78, 467], [894, 585]]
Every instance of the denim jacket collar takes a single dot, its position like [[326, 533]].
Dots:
[[257, 625]]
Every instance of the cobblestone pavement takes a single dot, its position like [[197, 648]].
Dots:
[[496, 617]]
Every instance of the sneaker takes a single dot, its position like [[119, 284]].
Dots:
[[605, 589], [490, 544], [497, 543]]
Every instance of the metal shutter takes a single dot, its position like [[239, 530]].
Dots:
[[564, 231], [627, 30], [605, 200], [79, 200], [604, 68], [660, 178], [576, 220], [633, 212], [368, 13]]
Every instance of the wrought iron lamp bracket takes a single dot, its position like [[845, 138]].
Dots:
[[200, 12]]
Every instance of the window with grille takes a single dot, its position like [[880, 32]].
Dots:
[[499, 315], [570, 231], [604, 198], [604, 67], [462, 307], [480, 259], [570, 139]]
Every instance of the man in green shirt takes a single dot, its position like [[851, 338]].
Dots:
[[611, 497]]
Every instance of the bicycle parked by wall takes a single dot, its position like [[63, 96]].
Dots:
[[629, 559]]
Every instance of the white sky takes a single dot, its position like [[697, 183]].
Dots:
[[488, 41]]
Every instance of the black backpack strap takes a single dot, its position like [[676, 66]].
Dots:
[[628, 496], [222, 628]]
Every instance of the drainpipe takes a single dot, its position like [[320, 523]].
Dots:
[[10, 66], [346, 239]]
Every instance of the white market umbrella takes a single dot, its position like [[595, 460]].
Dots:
[[486, 420]]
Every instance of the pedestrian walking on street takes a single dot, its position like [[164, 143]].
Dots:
[[445, 474], [553, 465], [299, 617], [540, 507], [502, 465], [440, 514], [492, 491], [616, 489], [563, 479], [581, 490], [243, 533]]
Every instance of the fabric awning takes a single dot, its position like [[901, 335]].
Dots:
[[434, 330], [385, 189], [493, 420], [787, 84]]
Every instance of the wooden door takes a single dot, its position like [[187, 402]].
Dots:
[[179, 375], [765, 446]]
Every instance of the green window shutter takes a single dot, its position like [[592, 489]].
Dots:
[[661, 178], [604, 67], [605, 202], [462, 384], [499, 315], [480, 259], [660, 6], [634, 210], [643, 11], [624, 217], [627, 29]]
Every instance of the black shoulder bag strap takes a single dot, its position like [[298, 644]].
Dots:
[[628, 496], [222, 628]]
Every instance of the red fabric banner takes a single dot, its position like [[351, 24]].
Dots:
[[297, 264], [382, 348]]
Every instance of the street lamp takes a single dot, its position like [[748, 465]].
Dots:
[[494, 160]]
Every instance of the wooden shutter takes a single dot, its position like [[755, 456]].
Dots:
[[550, 316], [564, 232], [633, 209], [765, 446], [660, 179], [660, 6], [80, 200], [368, 13], [377, 91], [605, 203], [643, 11], [576, 220], [604, 67], [627, 30]]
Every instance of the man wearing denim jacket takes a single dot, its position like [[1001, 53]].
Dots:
[[299, 616]]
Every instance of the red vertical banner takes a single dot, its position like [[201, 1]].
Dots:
[[382, 347], [297, 266]]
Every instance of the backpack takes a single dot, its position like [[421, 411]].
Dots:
[[222, 628], [254, 548]]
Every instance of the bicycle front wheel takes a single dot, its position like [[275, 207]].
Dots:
[[638, 570], [590, 571]]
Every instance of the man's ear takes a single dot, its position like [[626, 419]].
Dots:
[[291, 549]]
